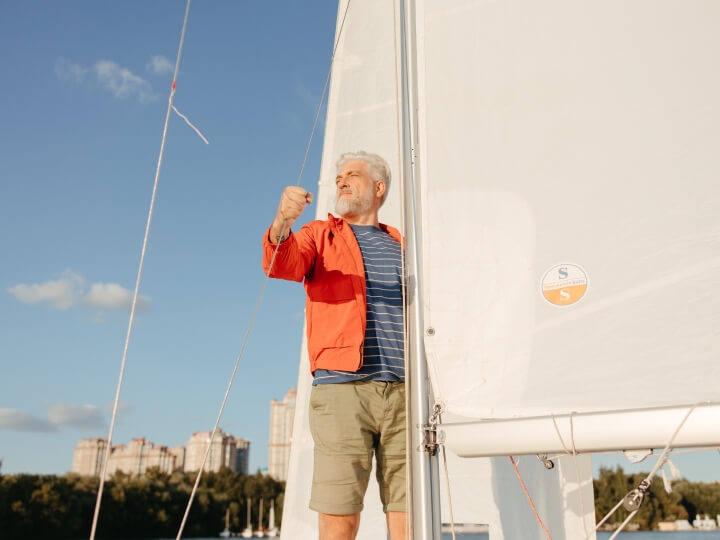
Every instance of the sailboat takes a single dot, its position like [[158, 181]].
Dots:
[[557, 169], [272, 530], [260, 533], [225, 533], [247, 532]]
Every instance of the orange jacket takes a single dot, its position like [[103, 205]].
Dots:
[[327, 256]]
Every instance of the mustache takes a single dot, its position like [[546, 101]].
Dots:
[[345, 190]]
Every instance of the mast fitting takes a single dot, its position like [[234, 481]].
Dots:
[[431, 442]]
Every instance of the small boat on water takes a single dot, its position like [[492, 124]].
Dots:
[[248, 531], [260, 533], [272, 531], [226, 531]]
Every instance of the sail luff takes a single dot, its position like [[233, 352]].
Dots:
[[361, 115]]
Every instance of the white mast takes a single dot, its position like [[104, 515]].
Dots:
[[424, 497]]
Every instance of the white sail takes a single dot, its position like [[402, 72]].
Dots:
[[361, 114], [567, 160], [586, 168], [592, 141], [590, 137]]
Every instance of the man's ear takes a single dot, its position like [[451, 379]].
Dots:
[[379, 188]]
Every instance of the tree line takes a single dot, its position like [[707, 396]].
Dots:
[[147, 506], [687, 500], [153, 505]]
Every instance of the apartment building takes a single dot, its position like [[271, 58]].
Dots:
[[88, 456], [225, 451], [140, 455], [282, 414]]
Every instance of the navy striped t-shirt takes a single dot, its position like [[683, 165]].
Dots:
[[384, 347]]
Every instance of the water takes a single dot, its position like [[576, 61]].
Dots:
[[655, 535], [640, 535]]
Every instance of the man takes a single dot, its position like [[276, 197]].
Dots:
[[352, 271]]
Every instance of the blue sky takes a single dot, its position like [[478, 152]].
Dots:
[[82, 106]]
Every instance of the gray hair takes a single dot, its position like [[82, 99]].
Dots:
[[376, 165]]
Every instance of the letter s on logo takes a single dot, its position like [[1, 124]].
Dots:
[[562, 273], [565, 295]]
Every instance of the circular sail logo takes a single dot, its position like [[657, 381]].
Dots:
[[564, 284]]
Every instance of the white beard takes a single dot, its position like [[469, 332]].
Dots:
[[353, 206]]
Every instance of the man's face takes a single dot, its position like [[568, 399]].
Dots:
[[355, 193]]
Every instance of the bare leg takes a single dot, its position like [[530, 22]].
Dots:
[[338, 527], [396, 525]]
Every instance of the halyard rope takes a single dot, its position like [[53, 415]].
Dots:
[[447, 477], [116, 402], [527, 495], [574, 454]]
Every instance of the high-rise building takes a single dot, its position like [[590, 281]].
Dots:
[[282, 414], [139, 456], [223, 451], [243, 455], [135, 458], [88, 456]]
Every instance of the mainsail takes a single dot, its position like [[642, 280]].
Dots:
[[566, 157]]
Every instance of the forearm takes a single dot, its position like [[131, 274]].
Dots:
[[279, 231], [289, 260]]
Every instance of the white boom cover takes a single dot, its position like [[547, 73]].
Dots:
[[568, 166]]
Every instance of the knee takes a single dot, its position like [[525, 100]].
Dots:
[[338, 527]]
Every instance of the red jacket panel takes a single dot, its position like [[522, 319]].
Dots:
[[326, 255]]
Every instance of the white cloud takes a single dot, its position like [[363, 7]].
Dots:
[[85, 417], [60, 294], [121, 82], [159, 64], [15, 420], [113, 296], [71, 290], [82, 417]]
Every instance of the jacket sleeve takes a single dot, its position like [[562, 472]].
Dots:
[[295, 256]]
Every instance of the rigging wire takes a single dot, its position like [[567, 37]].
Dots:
[[314, 126], [170, 108], [260, 295], [141, 264], [634, 499]]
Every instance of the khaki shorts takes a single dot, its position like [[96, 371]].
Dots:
[[349, 423]]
